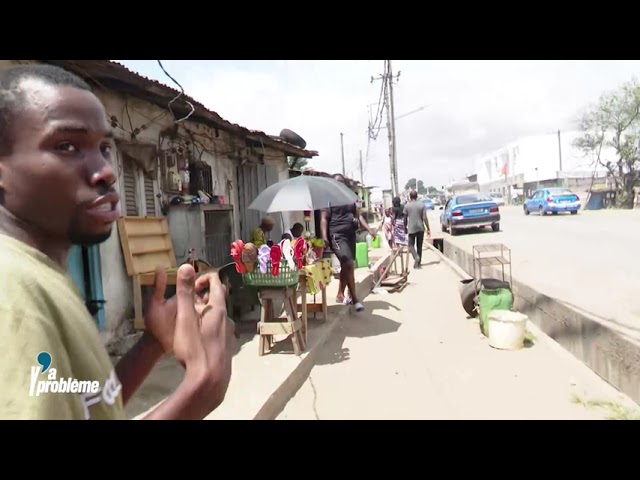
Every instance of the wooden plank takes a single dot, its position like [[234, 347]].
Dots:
[[126, 251], [280, 328], [150, 246], [312, 307], [144, 244], [392, 280], [138, 320], [148, 279]]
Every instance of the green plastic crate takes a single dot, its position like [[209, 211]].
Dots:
[[286, 277]]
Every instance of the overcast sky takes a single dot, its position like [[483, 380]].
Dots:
[[473, 106]]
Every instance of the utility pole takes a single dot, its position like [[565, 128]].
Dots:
[[560, 150], [344, 173], [392, 127], [361, 169], [388, 79]]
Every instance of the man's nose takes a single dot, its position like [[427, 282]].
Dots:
[[102, 172]]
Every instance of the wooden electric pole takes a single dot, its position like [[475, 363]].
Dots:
[[388, 78], [361, 169]]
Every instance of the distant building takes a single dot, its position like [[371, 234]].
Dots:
[[532, 161]]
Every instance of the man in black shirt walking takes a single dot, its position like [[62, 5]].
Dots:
[[339, 226]]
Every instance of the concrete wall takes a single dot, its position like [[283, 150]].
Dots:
[[608, 352]]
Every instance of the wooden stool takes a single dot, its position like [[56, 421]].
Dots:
[[291, 325]]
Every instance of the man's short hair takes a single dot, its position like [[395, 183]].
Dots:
[[268, 221], [413, 195], [297, 229], [13, 98]]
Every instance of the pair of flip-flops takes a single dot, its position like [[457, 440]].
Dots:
[[249, 256], [237, 248], [287, 252]]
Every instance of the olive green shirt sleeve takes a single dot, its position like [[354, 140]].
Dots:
[[25, 393]]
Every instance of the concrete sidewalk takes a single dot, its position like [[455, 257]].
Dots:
[[416, 355], [260, 386]]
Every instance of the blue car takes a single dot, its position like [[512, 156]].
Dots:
[[428, 203], [471, 210], [552, 200]]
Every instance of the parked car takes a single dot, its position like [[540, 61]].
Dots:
[[552, 200], [428, 203], [498, 198], [472, 210]]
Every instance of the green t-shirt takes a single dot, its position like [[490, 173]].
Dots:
[[53, 364]]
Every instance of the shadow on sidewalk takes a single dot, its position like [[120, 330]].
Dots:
[[362, 325]]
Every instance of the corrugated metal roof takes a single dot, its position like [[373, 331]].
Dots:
[[116, 76]]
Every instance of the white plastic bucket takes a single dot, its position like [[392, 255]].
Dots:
[[507, 329]]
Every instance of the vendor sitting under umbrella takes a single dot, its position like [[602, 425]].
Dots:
[[261, 235], [295, 232]]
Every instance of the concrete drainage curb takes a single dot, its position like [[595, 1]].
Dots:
[[611, 354], [276, 403]]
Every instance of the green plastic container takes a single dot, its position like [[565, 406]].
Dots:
[[362, 255], [376, 243], [488, 300]]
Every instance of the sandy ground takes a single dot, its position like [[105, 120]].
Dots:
[[589, 261], [416, 355]]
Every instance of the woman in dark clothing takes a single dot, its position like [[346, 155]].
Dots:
[[339, 226]]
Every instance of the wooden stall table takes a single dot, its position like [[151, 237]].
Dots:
[[278, 290], [314, 280]]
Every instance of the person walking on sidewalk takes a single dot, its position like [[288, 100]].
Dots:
[[415, 221], [399, 224], [339, 226]]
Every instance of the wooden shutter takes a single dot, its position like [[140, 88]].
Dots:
[[149, 197], [129, 188]]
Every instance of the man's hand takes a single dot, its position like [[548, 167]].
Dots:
[[202, 343], [203, 333], [160, 315]]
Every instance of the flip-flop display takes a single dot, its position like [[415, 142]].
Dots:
[[250, 259]]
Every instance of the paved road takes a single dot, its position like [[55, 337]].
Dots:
[[590, 260], [416, 355]]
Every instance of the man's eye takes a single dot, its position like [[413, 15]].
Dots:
[[106, 149], [67, 147]]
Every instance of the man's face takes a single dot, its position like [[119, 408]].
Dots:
[[58, 177]]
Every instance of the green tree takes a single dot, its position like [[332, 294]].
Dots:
[[297, 163], [613, 125], [422, 190]]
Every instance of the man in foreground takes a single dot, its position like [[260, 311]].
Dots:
[[338, 227], [56, 189], [415, 221]]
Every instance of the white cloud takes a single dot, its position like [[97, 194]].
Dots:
[[474, 106]]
